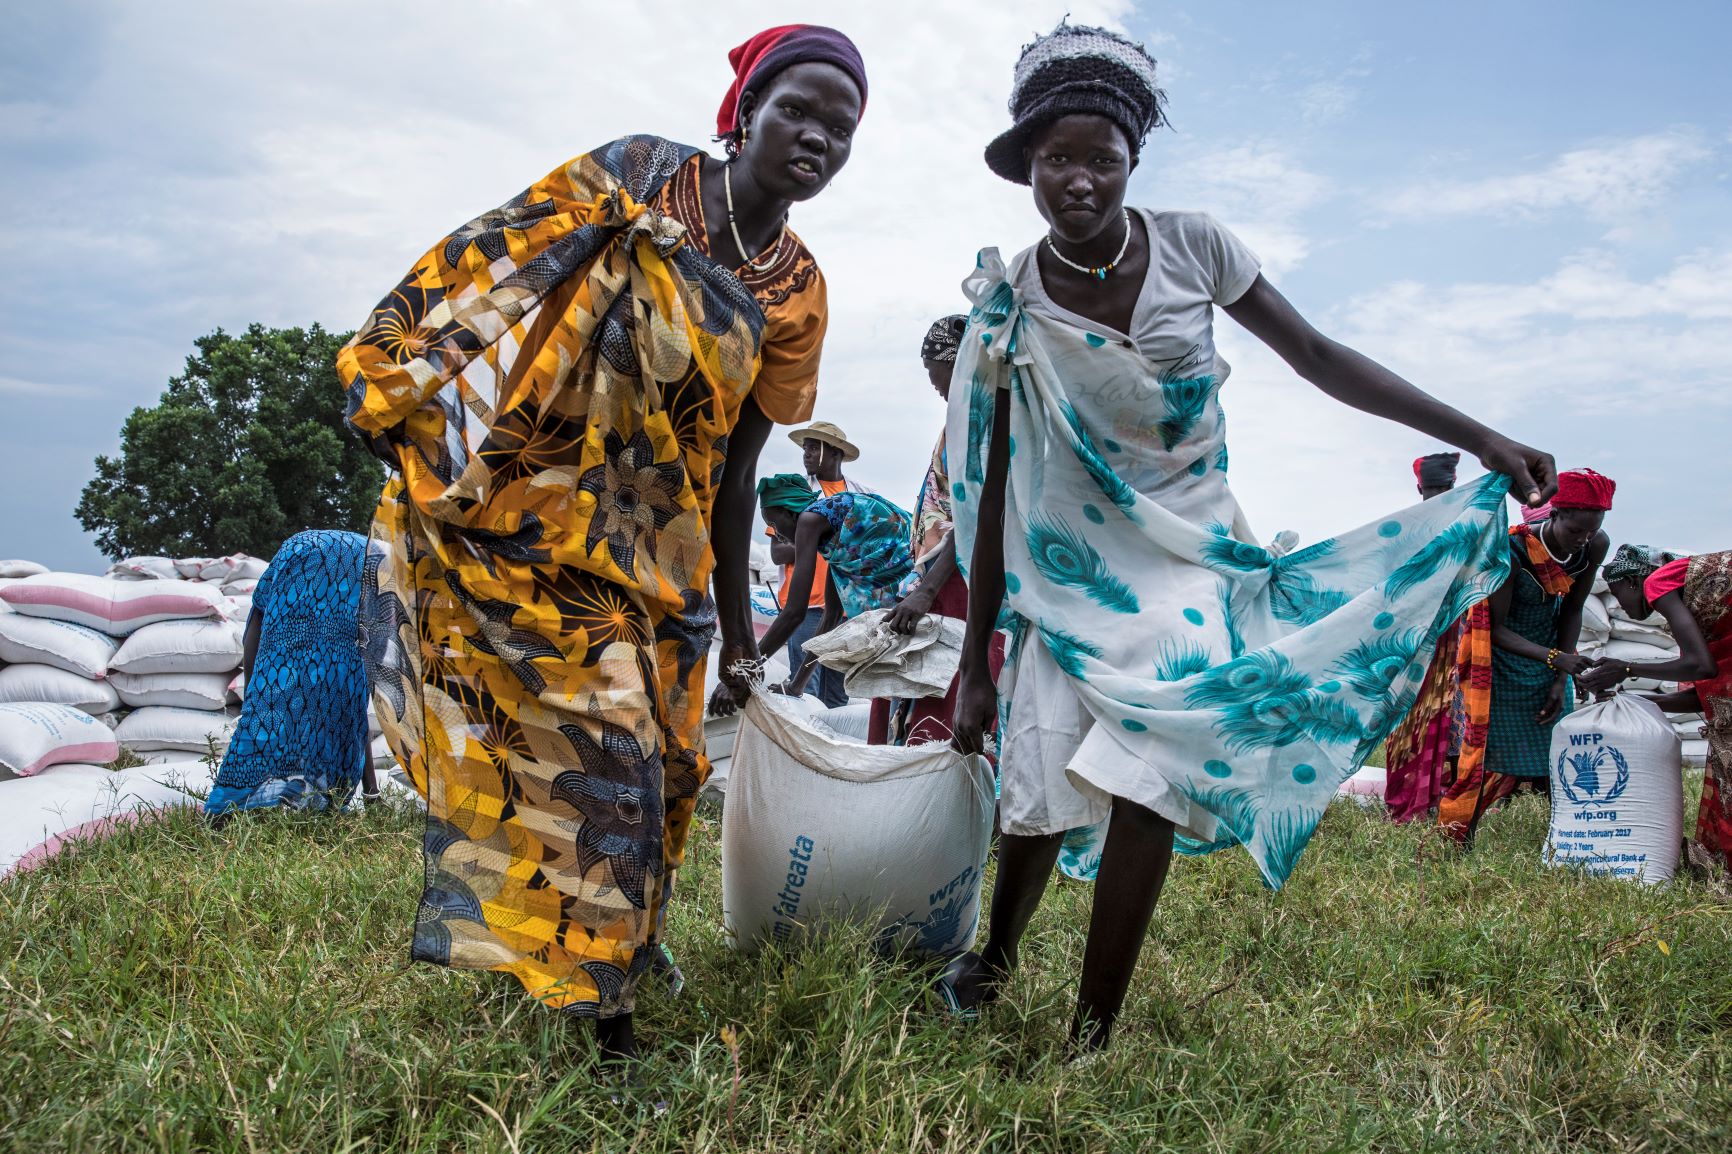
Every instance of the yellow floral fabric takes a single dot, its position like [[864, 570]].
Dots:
[[553, 385]]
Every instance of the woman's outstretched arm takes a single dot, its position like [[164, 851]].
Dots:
[[1355, 379]]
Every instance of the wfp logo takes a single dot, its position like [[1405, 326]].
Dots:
[[1582, 772]]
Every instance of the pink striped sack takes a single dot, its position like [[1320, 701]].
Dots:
[[113, 607], [36, 735]]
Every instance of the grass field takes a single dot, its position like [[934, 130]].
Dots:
[[179, 989]]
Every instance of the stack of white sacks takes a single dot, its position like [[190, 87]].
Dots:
[[145, 657], [152, 649], [1609, 632]]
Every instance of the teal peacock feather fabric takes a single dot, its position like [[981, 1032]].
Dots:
[[1184, 402], [1065, 558]]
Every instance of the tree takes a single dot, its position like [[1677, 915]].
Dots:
[[246, 448]]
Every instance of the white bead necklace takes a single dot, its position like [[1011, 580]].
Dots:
[[774, 251], [1100, 271]]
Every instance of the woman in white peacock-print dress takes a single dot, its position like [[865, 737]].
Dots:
[[1169, 676]]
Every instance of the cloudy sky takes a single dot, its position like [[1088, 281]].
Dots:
[[1524, 206]]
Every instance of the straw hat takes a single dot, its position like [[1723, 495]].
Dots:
[[829, 434]]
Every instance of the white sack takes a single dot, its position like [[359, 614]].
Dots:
[[21, 568], [240, 588], [144, 569], [1368, 787], [1595, 621], [36, 736], [74, 802], [234, 567], [237, 692], [1642, 634], [208, 645], [1638, 652], [75, 648], [852, 721], [166, 727], [110, 606], [818, 830], [188, 568], [1617, 791], [44, 683], [208, 691], [876, 661]]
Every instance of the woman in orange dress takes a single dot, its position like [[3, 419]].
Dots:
[[572, 391]]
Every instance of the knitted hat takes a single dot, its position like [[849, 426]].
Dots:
[[944, 338], [1584, 489], [774, 49], [1436, 470], [1076, 68]]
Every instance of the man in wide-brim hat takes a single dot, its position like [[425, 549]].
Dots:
[[825, 447]]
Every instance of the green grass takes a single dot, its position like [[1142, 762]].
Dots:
[[179, 989]]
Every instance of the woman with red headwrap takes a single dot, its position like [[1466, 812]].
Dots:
[[1417, 755], [1518, 652], [572, 391], [1694, 595]]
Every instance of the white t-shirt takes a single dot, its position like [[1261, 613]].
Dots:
[[1195, 263]]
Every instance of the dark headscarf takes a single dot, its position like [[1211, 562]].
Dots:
[[772, 50], [1636, 562], [1436, 470], [785, 491], [944, 338]]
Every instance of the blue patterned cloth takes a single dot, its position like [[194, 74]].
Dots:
[[302, 737], [868, 550]]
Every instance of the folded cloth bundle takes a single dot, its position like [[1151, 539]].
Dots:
[[876, 661]]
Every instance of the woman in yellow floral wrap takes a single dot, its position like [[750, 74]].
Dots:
[[572, 391]]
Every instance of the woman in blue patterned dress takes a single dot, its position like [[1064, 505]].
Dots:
[[302, 738], [864, 539]]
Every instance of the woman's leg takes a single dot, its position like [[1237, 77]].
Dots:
[[1025, 862], [615, 1039], [1134, 862]]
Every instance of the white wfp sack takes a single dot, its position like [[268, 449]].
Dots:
[[208, 691], [818, 829], [44, 683], [876, 661], [74, 648], [35, 736], [160, 727], [207, 645], [1596, 622], [72, 802], [21, 568], [1617, 791], [110, 606]]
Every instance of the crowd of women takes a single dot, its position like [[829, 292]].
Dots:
[[572, 391]]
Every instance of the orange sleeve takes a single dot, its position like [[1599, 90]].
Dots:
[[787, 384]]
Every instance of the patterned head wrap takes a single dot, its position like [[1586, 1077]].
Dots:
[[1436, 470], [944, 338], [772, 50], [1076, 68], [785, 491], [1636, 562], [1584, 489]]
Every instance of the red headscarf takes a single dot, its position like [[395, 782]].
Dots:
[[781, 47], [1584, 489]]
